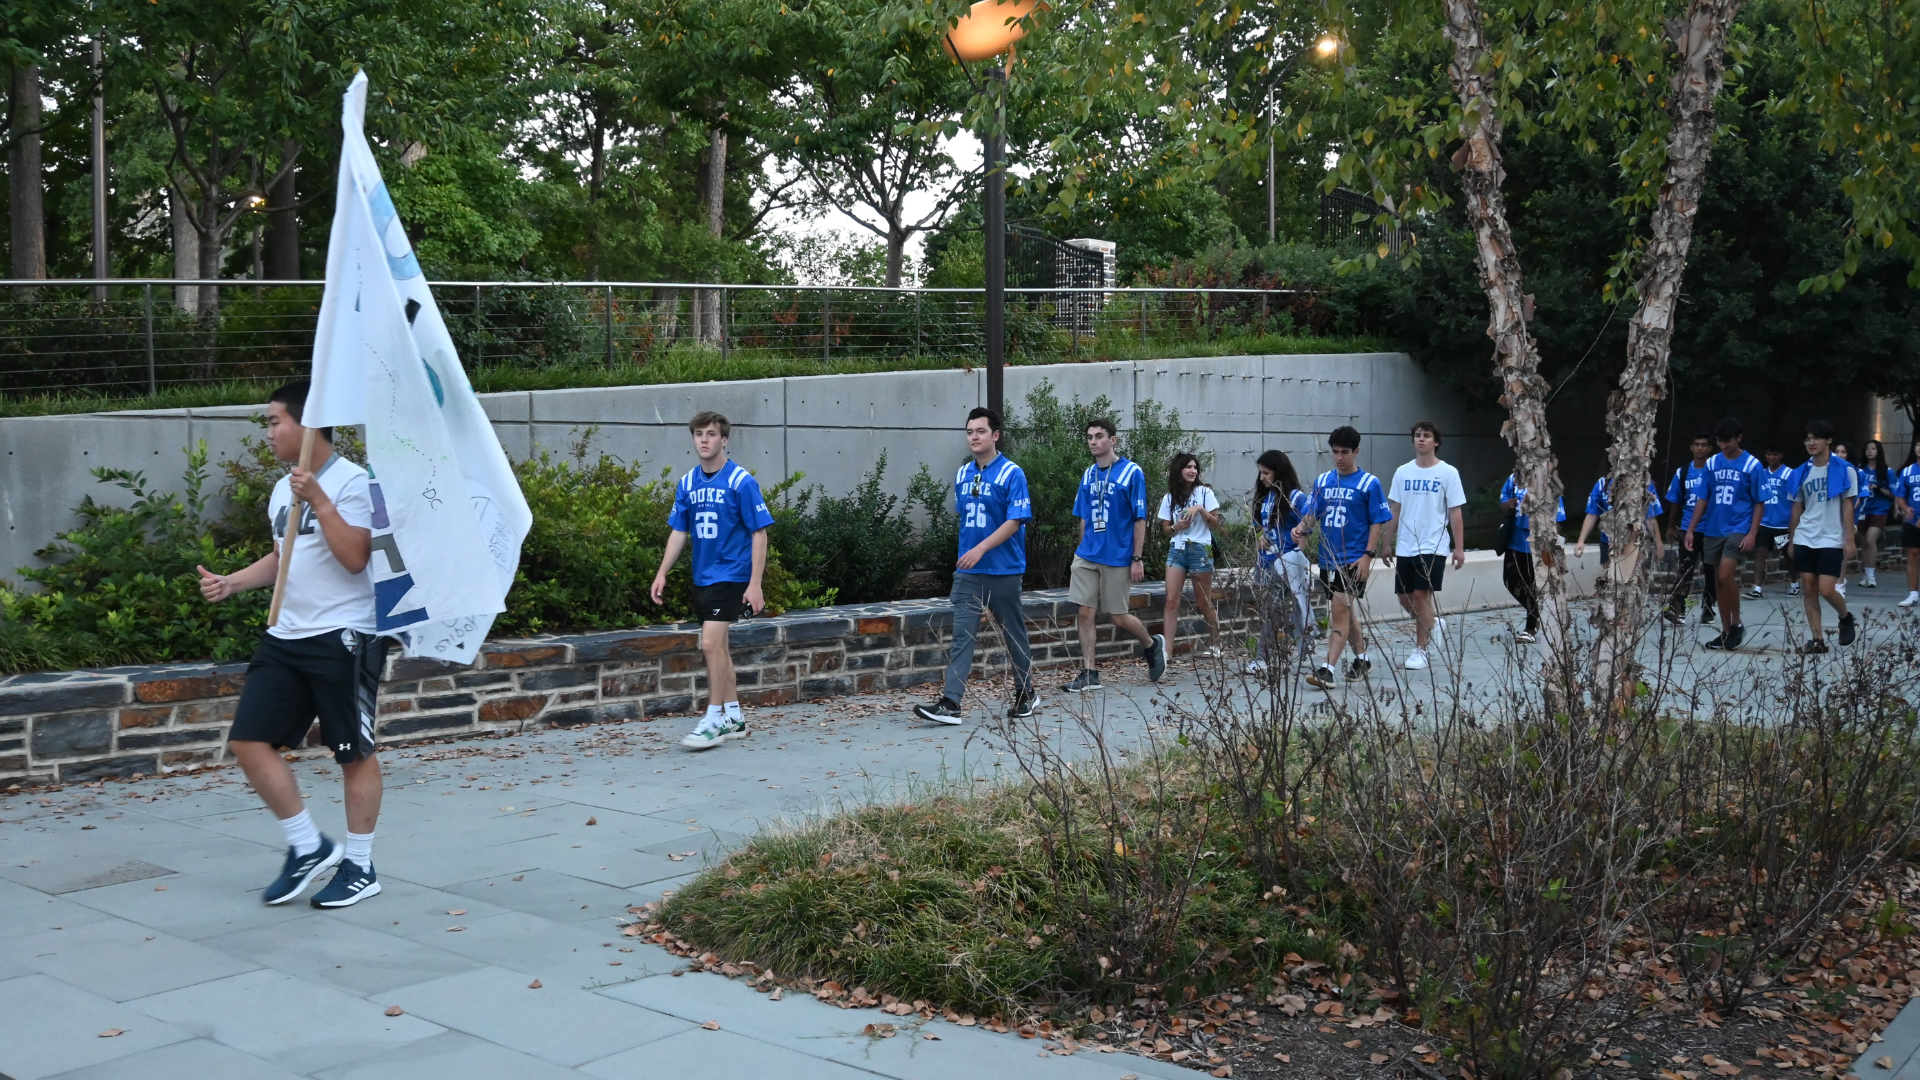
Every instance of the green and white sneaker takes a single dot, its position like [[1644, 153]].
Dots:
[[712, 733]]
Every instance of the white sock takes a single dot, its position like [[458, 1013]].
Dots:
[[360, 849], [303, 836], [715, 714], [733, 712]]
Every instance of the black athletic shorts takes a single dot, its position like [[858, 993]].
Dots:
[[722, 601], [333, 676], [1909, 536], [1418, 573], [1822, 562], [1337, 580]]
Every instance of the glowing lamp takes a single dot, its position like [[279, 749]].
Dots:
[[989, 29]]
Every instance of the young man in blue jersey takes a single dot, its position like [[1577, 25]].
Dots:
[[1349, 506], [1725, 522], [990, 495], [1823, 492], [1517, 564], [1599, 501], [1112, 508], [1906, 503], [1683, 494], [719, 508], [1774, 520]]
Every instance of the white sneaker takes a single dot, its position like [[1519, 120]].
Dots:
[[1439, 634], [707, 736], [1793, 588], [1840, 586], [1416, 659], [1256, 667], [1912, 599], [1756, 593]]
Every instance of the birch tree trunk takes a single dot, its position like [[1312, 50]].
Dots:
[[1516, 356], [1700, 42], [186, 253], [715, 185], [26, 186]]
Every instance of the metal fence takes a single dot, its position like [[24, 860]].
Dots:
[[150, 335]]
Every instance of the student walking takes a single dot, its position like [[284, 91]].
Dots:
[[1348, 507], [1112, 508], [1906, 498], [1774, 519], [718, 508], [1874, 504], [1189, 512], [1727, 517], [1426, 496], [1599, 501], [1517, 569], [1823, 495], [1683, 494], [1279, 506], [320, 659], [990, 496]]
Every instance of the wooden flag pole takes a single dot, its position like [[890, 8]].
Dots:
[[293, 530]]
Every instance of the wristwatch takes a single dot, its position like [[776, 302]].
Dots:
[[1373, 554], [1139, 558]]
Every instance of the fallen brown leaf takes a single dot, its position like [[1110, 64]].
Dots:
[[111, 1032], [458, 911], [593, 821], [1883, 1062], [455, 929], [1351, 1044], [394, 1010], [534, 985], [1377, 1059], [710, 1025], [1224, 1070], [1284, 1059], [1180, 1055]]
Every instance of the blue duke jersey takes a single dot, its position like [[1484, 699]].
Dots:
[[1777, 497], [986, 499], [1111, 499], [1278, 534], [1347, 508], [1689, 483], [1522, 522], [1734, 484], [1600, 500], [720, 514], [1906, 486]]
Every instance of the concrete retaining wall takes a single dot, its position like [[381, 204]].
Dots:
[[831, 427]]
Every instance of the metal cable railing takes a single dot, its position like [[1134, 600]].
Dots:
[[152, 334]]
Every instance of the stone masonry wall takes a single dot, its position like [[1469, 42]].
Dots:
[[61, 727]]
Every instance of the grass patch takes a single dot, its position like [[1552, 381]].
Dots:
[[975, 902], [691, 364]]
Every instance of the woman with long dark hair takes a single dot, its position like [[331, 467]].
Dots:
[[1279, 502], [1876, 502], [1189, 511]]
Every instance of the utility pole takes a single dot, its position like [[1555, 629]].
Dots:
[[1271, 233], [996, 215], [99, 173]]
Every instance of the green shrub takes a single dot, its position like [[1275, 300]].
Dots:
[[865, 544], [123, 588]]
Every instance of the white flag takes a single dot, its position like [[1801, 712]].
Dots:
[[448, 515]]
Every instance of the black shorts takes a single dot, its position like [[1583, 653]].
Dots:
[[1769, 539], [334, 677], [1418, 573], [1338, 579], [1909, 536], [1821, 562], [722, 601]]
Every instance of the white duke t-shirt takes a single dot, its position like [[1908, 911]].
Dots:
[[321, 595], [1425, 496], [1197, 530]]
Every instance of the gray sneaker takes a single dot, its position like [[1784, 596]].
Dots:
[[1088, 679], [1156, 658]]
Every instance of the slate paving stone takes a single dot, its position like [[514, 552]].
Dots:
[[558, 954], [194, 1059], [547, 894], [561, 1024], [453, 1055], [49, 1027], [25, 911], [355, 959], [195, 907], [121, 960], [299, 1025], [618, 867], [718, 1053]]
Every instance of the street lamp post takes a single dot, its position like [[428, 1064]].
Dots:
[[988, 30]]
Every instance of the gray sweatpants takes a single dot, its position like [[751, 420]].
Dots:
[[973, 595]]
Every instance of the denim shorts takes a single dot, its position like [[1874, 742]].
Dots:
[[1193, 558]]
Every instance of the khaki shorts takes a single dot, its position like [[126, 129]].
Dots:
[[1103, 588]]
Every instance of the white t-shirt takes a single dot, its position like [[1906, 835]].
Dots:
[[1818, 490], [1425, 496], [321, 596], [1197, 530]]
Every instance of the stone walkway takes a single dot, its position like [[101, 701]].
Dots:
[[133, 943]]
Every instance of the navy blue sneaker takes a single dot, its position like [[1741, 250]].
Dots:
[[1156, 658], [300, 871], [351, 884]]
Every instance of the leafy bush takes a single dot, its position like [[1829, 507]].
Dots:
[[123, 587], [1049, 441], [864, 545]]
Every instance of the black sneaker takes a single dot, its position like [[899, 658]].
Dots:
[[300, 870], [1719, 642], [1707, 615], [1156, 658], [351, 884], [1024, 703], [1846, 629], [1674, 616], [944, 711], [1088, 679], [1323, 678], [1357, 668], [1735, 636], [1816, 647]]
